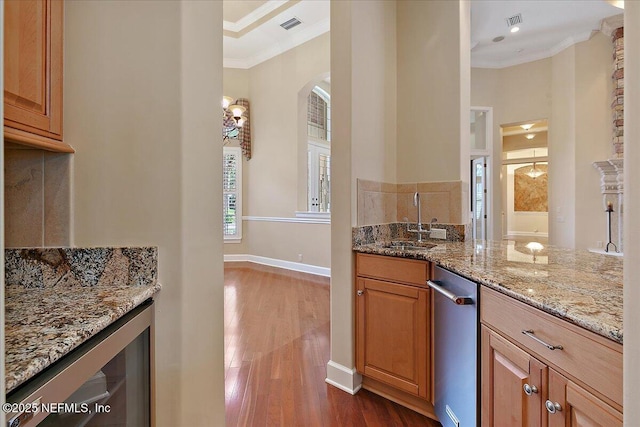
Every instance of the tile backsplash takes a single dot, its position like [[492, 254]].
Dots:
[[383, 203], [37, 198]]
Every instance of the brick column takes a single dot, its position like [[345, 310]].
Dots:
[[617, 105]]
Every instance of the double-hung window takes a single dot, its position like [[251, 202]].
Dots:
[[232, 194]]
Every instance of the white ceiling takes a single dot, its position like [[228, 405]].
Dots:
[[253, 33], [244, 49], [547, 28]]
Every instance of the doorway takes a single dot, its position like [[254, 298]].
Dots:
[[481, 137], [525, 212]]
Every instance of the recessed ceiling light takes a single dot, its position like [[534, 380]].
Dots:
[[530, 135], [515, 29], [527, 126], [498, 39]]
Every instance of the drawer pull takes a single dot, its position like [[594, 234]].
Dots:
[[530, 334], [360, 292], [552, 408], [530, 389], [459, 300]]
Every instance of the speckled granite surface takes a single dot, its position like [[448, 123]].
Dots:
[[55, 299], [578, 286], [398, 230]]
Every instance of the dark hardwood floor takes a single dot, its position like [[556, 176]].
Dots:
[[276, 352]]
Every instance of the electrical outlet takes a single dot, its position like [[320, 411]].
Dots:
[[438, 233], [299, 257]]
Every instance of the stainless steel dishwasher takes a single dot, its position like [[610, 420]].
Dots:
[[456, 344]]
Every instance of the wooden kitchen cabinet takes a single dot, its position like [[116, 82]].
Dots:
[[506, 371], [577, 382], [572, 406], [394, 329], [33, 73], [392, 334]]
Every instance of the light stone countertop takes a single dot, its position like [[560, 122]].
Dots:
[[57, 298], [581, 287]]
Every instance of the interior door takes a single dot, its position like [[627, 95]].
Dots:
[[479, 198]]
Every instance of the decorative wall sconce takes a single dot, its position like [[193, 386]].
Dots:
[[233, 117], [236, 123]]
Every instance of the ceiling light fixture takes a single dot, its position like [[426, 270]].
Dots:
[[233, 116], [534, 172], [530, 135], [527, 126], [515, 29], [498, 39]]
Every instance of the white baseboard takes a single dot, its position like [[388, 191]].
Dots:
[[289, 265], [343, 378]]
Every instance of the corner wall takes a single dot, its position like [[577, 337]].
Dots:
[[632, 215], [141, 79], [363, 105]]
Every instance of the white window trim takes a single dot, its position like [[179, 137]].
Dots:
[[238, 237]]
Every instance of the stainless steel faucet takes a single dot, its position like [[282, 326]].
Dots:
[[416, 202], [419, 230]]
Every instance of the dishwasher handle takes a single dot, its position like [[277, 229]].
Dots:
[[459, 300]]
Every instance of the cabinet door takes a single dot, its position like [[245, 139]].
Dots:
[[392, 335], [33, 66], [506, 372], [571, 405]]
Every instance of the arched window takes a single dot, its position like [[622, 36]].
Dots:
[[319, 150]]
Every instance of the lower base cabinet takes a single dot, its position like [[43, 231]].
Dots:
[[393, 330], [507, 372], [571, 405], [529, 384]]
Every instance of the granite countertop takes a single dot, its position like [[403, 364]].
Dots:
[[57, 298], [578, 286]]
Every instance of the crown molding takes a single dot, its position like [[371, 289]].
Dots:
[[299, 38], [252, 17]]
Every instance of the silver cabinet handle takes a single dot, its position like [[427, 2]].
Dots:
[[552, 407], [530, 334], [453, 297], [360, 292], [530, 389]]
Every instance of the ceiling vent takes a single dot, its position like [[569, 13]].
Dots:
[[514, 20], [293, 22]]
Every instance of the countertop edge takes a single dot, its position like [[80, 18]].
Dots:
[[612, 334], [61, 349]]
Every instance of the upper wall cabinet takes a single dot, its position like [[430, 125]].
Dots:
[[33, 57]]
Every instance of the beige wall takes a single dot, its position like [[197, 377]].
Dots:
[[433, 67], [235, 83], [37, 197], [373, 85], [593, 136], [632, 213], [271, 178], [562, 150], [573, 91], [141, 79]]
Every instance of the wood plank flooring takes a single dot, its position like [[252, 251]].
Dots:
[[276, 352]]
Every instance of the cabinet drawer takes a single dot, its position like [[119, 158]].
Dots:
[[585, 356], [399, 270]]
